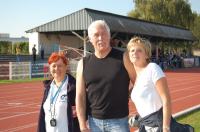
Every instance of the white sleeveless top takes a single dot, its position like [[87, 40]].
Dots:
[[144, 93], [60, 109]]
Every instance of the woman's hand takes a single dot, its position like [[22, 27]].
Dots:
[[85, 130], [74, 114], [166, 129]]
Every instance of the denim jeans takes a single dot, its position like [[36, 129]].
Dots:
[[108, 125]]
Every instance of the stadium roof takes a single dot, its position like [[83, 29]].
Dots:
[[80, 20]]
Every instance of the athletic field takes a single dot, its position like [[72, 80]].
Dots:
[[20, 102]]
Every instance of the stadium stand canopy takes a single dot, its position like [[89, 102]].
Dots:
[[121, 26]]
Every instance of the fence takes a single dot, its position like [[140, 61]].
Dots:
[[27, 70]]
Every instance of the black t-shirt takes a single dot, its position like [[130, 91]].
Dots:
[[107, 82]]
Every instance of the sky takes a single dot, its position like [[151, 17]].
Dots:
[[17, 16]]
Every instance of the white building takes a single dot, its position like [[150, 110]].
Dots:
[[6, 37]]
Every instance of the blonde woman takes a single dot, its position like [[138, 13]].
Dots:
[[150, 92]]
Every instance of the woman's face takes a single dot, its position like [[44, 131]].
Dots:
[[137, 54], [58, 69]]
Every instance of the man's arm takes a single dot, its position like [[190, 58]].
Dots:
[[81, 97], [129, 67]]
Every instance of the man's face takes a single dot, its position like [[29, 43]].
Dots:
[[100, 38]]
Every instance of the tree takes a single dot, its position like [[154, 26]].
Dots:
[[196, 29], [5, 47], [23, 46], [173, 12]]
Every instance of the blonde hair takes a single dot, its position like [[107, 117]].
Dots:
[[142, 42]]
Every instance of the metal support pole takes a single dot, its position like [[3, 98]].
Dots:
[[84, 42], [157, 51]]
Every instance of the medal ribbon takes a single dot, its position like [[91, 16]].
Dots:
[[56, 95], [53, 97]]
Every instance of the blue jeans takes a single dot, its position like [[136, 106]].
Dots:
[[108, 125]]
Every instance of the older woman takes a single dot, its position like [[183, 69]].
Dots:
[[56, 113]]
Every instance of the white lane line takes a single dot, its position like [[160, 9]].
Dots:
[[5, 103], [27, 113], [17, 106], [180, 80], [13, 112], [14, 104], [21, 89], [181, 83], [14, 91], [182, 98], [20, 127], [187, 88], [20, 95], [178, 114]]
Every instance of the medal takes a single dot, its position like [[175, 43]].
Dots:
[[53, 99], [53, 122]]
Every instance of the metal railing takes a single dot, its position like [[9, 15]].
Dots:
[[28, 70]]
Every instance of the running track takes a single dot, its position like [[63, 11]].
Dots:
[[19, 103]]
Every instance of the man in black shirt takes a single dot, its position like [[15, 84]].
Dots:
[[102, 84]]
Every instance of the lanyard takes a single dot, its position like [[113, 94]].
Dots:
[[55, 97]]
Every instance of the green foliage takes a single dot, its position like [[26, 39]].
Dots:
[[172, 12], [196, 29], [21, 80], [5, 47], [175, 47], [23, 46], [164, 11]]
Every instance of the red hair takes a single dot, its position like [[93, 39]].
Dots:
[[55, 56]]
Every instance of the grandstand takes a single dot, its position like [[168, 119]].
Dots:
[[11, 69]]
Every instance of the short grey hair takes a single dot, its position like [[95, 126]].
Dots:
[[98, 22]]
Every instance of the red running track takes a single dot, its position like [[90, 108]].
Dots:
[[20, 102]]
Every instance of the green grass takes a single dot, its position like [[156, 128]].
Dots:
[[21, 80], [192, 118]]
